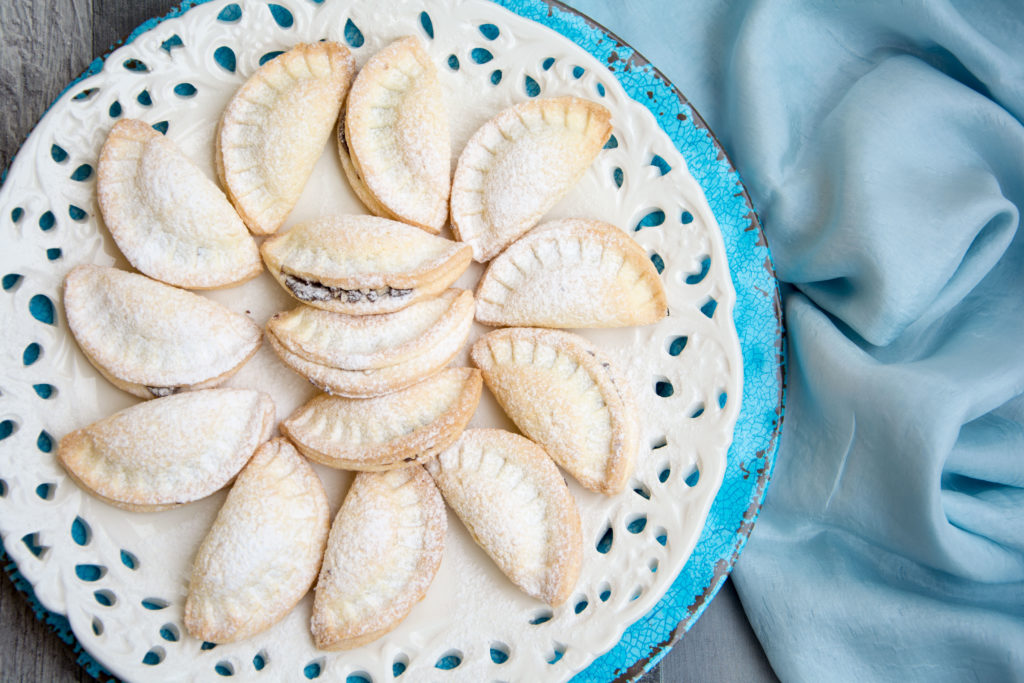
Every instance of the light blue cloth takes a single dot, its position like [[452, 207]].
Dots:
[[883, 146]]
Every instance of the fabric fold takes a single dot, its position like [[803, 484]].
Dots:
[[883, 148]]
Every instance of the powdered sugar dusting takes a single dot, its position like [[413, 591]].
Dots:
[[264, 549], [564, 393], [357, 252], [388, 431], [371, 342], [170, 220], [148, 333], [572, 273], [384, 549], [378, 381], [274, 129], [515, 504], [519, 164], [170, 450], [397, 134]]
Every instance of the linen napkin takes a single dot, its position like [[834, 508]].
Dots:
[[883, 146]]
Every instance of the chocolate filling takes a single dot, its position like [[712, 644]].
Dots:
[[308, 290]]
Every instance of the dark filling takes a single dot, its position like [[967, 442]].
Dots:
[[160, 392], [308, 290]]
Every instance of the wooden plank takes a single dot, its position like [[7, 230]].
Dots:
[[37, 60], [29, 650], [113, 20], [721, 646], [43, 45]]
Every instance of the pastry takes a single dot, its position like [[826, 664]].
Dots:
[[388, 431], [515, 504], [572, 273], [151, 339], [274, 129], [365, 356], [263, 551], [363, 264], [519, 164], [393, 137], [564, 393], [170, 220], [384, 549], [173, 450], [360, 356]]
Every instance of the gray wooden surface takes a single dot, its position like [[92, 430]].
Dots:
[[43, 45]]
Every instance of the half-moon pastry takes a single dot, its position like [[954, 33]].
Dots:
[[275, 127], [370, 355], [393, 137], [151, 339], [173, 450], [386, 432], [564, 393], [171, 221], [516, 506], [363, 264], [263, 551], [571, 273], [361, 342], [384, 549], [519, 164]]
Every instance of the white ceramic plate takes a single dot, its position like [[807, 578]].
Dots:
[[121, 577]]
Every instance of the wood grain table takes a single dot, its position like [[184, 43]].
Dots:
[[43, 46]]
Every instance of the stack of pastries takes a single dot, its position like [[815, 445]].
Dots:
[[376, 324]]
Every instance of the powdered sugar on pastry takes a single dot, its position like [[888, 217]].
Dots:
[[365, 383], [170, 220], [152, 339], [572, 273], [368, 342], [263, 551], [168, 451], [516, 505], [363, 264], [389, 431], [519, 164], [274, 129], [384, 549], [395, 138], [564, 393]]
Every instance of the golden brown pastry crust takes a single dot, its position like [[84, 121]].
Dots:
[[516, 506], [393, 137], [384, 549], [362, 264], [151, 339], [263, 551], [571, 273], [565, 394], [520, 164], [387, 432], [169, 451], [274, 129], [366, 356], [171, 221]]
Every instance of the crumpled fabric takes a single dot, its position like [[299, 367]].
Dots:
[[883, 147]]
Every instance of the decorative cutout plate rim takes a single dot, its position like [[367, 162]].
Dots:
[[620, 659]]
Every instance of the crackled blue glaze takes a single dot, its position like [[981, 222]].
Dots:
[[757, 317]]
